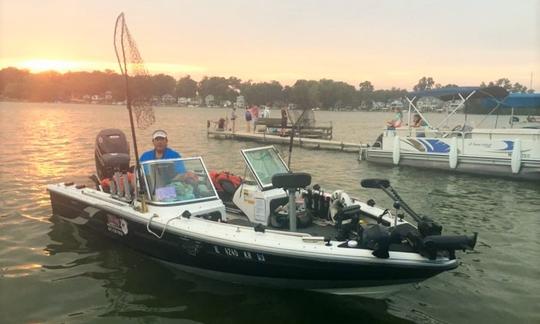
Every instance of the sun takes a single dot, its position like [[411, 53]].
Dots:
[[40, 65]]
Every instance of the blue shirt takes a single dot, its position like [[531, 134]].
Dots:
[[168, 154], [151, 155]]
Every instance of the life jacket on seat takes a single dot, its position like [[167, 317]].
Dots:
[[226, 183]]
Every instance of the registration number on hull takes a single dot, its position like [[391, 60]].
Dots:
[[234, 253]]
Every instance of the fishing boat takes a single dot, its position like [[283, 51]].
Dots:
[[508, 152], [327, 242], [269, 229]]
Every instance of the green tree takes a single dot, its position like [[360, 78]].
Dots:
[[305, 94], [264, 93], [425, 83], [163, 84], [216, 86], [186, 87], [328, 94], [15, 78], [365, 93], [518, 88]]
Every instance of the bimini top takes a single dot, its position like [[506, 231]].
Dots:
[[453, 93], [515, 100]]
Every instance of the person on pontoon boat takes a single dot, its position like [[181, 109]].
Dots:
[[397, 120], [418, 122]]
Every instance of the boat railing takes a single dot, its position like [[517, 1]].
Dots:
[[533, 134]]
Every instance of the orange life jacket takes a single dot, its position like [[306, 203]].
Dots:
[[225, 181], [106, 183]]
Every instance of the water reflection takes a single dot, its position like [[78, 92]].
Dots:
[[135, 285], [55, 143]]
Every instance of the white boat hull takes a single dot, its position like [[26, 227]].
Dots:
[[530, 169], [512, 153]]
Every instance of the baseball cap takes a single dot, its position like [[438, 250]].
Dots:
[[159, 133]]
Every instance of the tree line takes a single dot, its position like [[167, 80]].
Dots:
[[52, 86]]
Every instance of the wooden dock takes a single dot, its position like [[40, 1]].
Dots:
[[319, 144]]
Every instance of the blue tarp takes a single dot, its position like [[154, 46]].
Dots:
[[515, 100], [453, 93]]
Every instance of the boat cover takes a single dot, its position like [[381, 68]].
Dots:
[[515, 100], [453, 93]]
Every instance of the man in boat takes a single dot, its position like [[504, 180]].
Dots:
[[160, 151]]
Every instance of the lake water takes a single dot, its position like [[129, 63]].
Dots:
[[50, 272]]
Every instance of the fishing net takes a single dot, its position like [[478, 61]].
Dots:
[[138, 81], [302, 118]]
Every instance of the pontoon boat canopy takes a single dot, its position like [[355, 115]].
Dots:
[[515, 100], [453, 93]]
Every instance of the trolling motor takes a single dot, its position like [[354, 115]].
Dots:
[[426, 226], [430, 241]]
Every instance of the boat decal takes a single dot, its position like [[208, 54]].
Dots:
[[417, 145], [116, 225], [435, 145], [234, 253], [429, 145], [509, 146], [191, 247]]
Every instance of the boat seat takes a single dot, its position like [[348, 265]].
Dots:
[[404, 229], [291, 180]]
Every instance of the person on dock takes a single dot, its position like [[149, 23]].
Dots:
[[397, 120], [284, 116], [266, 112], [233, 119], [255, 116], [220, 124], [247, 116]]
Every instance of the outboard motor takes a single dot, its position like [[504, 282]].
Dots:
[[112, 153]]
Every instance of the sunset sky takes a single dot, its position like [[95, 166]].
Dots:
[[390, 43]]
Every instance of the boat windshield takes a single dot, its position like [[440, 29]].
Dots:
[[177, 180], [264, 162]]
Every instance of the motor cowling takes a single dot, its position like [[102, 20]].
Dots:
[[111, 153]]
